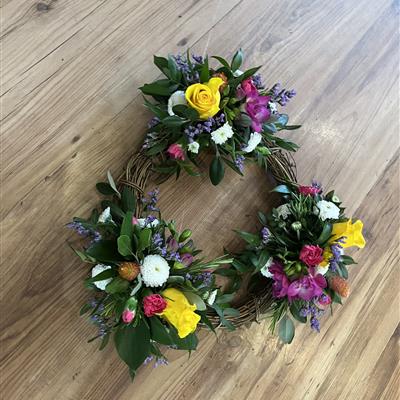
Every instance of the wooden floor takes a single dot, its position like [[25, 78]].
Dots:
[[71, 110]]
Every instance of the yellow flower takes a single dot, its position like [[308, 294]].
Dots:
[[179, 312], [327, 254], [351, 232], [205, 97]]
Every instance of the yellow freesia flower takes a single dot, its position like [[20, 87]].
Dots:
[[179, 312], [205, 97], [351, 232], [327, 254]]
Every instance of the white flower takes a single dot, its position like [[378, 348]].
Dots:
[[327, 210], [212, 297], [283, 211], [322, 270], [255, 139], [155, 270], [142, 223], [98, 269], [105, 216], [237, 73], [222, 134], [272, 106], [175, 99], [265, 269], [193, 147]]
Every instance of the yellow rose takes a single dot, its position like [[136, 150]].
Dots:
[[179, 312], [205, 97], [351, 232]]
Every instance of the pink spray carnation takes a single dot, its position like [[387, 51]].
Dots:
[[247, 89], [153, 304], [257, 110], [128, 316], [306, 287], [281, 282], [309, 190], [175, 151], [311, 255]]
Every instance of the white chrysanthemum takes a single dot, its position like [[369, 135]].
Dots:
[[283, 211], [175, 99], [254, 140], [211, 298], [193, 147], [222, 134], [105, 216], [265, 269], [142, 222], [155, 270], [327, 210], [237, 73], [98, 269]]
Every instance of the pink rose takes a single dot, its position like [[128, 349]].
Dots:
[[311, 255], [257, 110], [175, 151], [309, 190], [153, 304], [128, 316], [281, 282], [247, 89]]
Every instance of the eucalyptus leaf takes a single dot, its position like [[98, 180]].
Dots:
[[124, 245], [195, 300], [286, 329], [217, 171], [117, 285]]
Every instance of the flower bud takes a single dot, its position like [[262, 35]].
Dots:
[[296, 226], [129, 270], [185, 235], [128, 316]]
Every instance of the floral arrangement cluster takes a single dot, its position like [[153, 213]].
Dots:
[[300, 251], [222, 109], [149, 286]]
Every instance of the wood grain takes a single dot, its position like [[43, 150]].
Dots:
[[70, 109]]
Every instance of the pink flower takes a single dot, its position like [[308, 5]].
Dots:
[[187, 259], [281, 282], [153, 304], [306, 287], [135, 221], [323, 301], [175, 151], [247, 89], [128, 316], [257, 110], [311, 255], [309, 190]]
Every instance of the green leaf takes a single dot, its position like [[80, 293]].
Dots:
[[144, 238], [231, 312], [159, 332], [107, 274], [174, 73], [222, 61], [115, 210], [249, 237], [160, 62], [237, 60], [189, 342], [84, 309], [325, 234], [347, 260], [128, 199], [195, 300], [157, 148], [84, 257], [157, 88], [105, 188], [185, 112], [205, 72], [206, 321], [336, 298], [262, 259], [286, 144], [281, 121], [295, 308], [126, 227], [124, 245], [112, 183], [104, 251], [117, 285], [225, 298], [217, 171], [104, 341], [283, 189], [156, 110], [176, 279], [133, 344], [286, 329], [173, 121]]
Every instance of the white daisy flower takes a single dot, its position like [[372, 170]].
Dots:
[[273, 107], [175, 99], [155, 270], [322, 270], [211, 298], [143, 223], [98, 269], [255, 139], [265, 269], [105, 216], [193, 147], [222, 134], [327, 210], [283, 211]]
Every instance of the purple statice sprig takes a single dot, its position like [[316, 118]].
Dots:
[[158, 361], [257, 80], [239, 162], [336, 250], [84, 231], [184, 65], [265, 235], [310, 310], [150, 202], [281, 95], [208, 126]]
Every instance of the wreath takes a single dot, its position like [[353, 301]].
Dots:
[[150, 288]]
